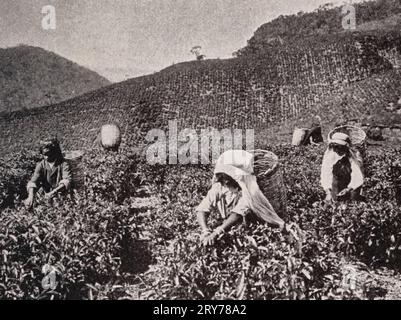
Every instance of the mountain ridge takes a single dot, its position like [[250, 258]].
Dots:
[[33, 77], [258, 91]]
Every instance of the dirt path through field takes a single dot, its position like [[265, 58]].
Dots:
[[378, 284], [391, 282]]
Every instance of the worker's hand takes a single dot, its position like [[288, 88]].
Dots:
[[210, 239], [204, 235], [329, 198], [344, 192], [49, 195], [28, 202], [328, 201], [294, 235]]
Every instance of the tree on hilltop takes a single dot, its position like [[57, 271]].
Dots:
[[196, 50]]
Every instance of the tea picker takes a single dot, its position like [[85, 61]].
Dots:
[[308, 136], [52, 175], [236, 195], [342, 174], [313, 135]]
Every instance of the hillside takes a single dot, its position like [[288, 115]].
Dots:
[[256, 91], [32, 77], [383, 15]]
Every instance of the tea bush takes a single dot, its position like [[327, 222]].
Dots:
[[88, 238], [83, 240], [95, 238], [15, 170], [257, 262]]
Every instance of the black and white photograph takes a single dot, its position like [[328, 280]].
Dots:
[[216, 151]]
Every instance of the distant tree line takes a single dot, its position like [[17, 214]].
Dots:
[[324, 20]]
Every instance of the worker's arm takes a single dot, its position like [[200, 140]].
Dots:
[[326, 175], [312, 142], [31, 198], [232, 219], [33, 185], [66, 176], [237, 214], [36, 177], [356, 176], [52, 193], [201, 216], [356, 179], [205, 207]]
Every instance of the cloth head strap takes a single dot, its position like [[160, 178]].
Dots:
[[340, 138], [235, 163]]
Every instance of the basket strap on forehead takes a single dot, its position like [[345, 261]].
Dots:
[[235, 162]]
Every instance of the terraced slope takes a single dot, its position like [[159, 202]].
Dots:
[[247, 92]]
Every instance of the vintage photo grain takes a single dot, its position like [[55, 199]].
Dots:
[[213, 150]]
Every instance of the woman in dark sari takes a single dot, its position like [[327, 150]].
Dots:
[[313, 135], [341, 175]]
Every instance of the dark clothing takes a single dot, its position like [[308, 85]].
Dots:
[[315, 133], [50, 178], [342, 178], [341, 174]]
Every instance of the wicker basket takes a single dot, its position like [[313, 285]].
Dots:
[[110, 136], [298, 136], [357, 136], [269, 176], [74, 158]]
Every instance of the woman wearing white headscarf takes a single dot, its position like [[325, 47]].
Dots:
[[235, 193], [341, 173]]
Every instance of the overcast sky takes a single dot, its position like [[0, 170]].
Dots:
[[125, 38]]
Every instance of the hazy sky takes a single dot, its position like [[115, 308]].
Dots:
[[125, 38]]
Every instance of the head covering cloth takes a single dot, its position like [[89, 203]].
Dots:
[[238, 164], [340, 139]]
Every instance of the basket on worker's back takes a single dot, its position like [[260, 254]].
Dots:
[[269, 176], [74, 160], [357, 136], [298, 136], [110, 136]]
